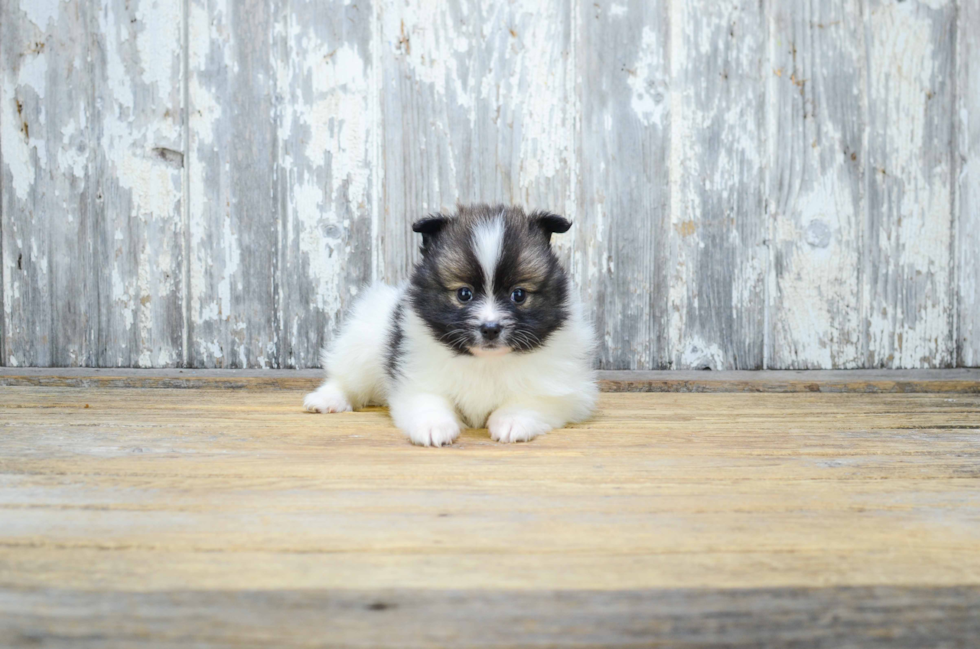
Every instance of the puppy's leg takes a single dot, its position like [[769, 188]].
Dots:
[[427, 419], [522, 421], [518, 424], [329, 397], [355, 358]]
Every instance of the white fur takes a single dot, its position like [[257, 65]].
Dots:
[[355, 359], [518, 396], [489, 311], [488, 244]]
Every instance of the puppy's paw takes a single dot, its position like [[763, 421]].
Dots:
[[434, 430], [327, 398], [515, 426]]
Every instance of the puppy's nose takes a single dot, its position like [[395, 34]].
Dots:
[[490, 330]]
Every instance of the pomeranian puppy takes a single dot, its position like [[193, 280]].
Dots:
[[486, 333]]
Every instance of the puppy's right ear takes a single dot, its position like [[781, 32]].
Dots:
[[429, 228]]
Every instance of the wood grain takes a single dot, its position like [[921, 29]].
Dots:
[[477, 107], [908, 280], [797, 618], [619, 245], [327, 169], [121, 509], [717, 197], [234, 210], [92, 140], [817, 125], [207, 183], [967, 159]]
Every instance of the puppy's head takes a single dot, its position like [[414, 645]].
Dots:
[[488, 282]]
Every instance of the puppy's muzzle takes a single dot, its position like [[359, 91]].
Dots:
[[490, 331]]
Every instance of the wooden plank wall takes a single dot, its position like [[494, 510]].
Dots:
[[967, 166], [209, 183]]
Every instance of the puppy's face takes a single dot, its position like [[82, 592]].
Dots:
[[488, 283]]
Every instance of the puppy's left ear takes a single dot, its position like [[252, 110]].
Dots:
[[429, 228], [550, 223]]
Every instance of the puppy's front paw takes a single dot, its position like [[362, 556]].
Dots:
[[515, 426], [433, 431], [327, 398]]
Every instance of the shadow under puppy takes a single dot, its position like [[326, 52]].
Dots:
[[486, 333]]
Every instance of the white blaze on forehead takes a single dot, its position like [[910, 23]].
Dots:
[[488, 244]]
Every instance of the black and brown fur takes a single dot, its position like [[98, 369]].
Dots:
[[449, 262]]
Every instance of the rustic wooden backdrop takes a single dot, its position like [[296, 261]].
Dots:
[[208, 183]]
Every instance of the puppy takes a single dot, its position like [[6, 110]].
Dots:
[[486, 333]]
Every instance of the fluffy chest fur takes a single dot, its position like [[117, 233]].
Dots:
[[477, 386]]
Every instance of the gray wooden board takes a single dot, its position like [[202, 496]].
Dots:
[[327, 169], [801, 618], [234, 199], [618, 245], [967, 158], [908, 268], [91, 119], [817, 123], [718, 257]]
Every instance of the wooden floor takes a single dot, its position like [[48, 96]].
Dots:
[[201, 517]]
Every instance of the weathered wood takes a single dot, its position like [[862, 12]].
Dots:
[[49, 201], [619, 243], [797, 618], [817, 124], [677, 136], [478, 107], [907, 279], [235, 198], [723, 515], [91, 143], [717, 209], [776, 381], [967, 154], [327, 169]]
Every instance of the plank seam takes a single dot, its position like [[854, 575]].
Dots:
[[280, 180], [863, 301], [185, 179], [767, 188], [954, 176], [97, 356]]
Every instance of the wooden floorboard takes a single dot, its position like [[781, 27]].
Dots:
[[964, 380], [166, 517]]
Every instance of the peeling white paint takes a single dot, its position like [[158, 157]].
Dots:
[[16, 147], [700, 354], [914, 231], [160, 23], [232, 258], [493, 95], [41, 12], [649, 100], [33, 73], [547, 142], [817, 323], [716, 292]]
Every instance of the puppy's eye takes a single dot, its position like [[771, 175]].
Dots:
[[518, 295], [464, 294]]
